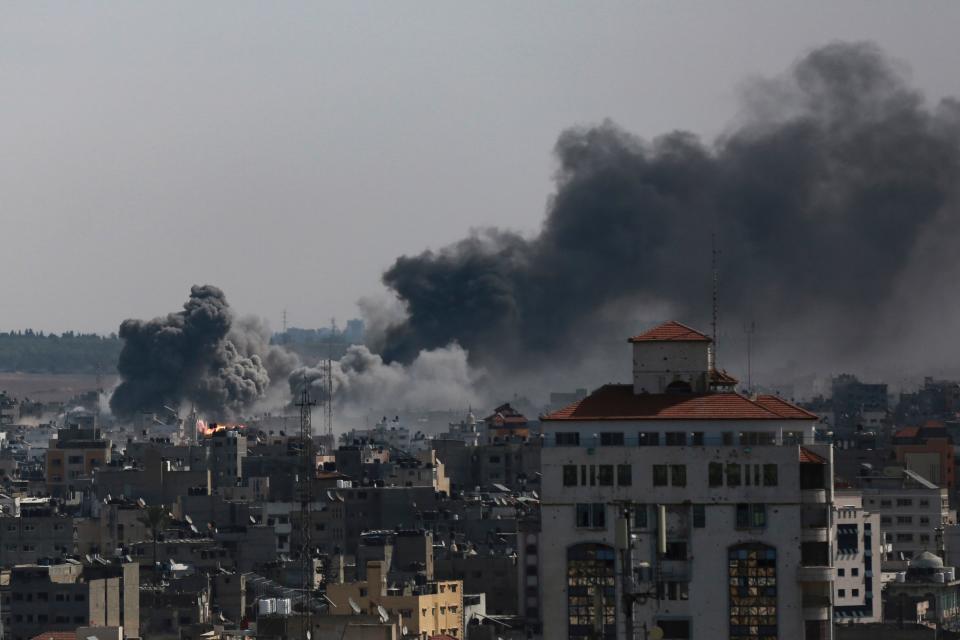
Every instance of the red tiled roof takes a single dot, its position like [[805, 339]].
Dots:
[[784, 409], [55, 635], [671, 331], [907, 432], [810, 457], [721, 378], [619, 402]]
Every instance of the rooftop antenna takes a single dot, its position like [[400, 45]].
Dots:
[[714, 254], [328, 389], [305, 491], [750, 329], [284, 327]]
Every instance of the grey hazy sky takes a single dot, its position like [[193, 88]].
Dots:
[[288, 152]]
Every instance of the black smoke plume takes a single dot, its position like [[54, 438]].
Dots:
[[832, 183], [199, 355]]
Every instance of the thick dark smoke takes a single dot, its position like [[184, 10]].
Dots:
[[198, 356], [833, 181]]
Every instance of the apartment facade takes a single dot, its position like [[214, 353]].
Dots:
[[913, 512], [671, 504], [858, 553]]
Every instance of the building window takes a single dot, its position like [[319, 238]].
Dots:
[[855, 593], [659, 475], [624, 475], [715, 474], [568, 439], [855, 571], [699, 516], [696, 438], [591, 592], [751, 516], [924, 502], [675, 439], [886, 503], [924, 520], [752, 573], [727, 438], [640, 516], [612, 439], [675, 629], [569, 475], [770, 475], [904, 537], [605, 475], [591, 515], [733, 474], [841, 593], [840, 572], [904, 502], [646, 439], [904, 519], [678, 475]]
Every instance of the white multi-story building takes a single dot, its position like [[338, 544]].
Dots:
[[673, 503], [913, 512], [858, 552]]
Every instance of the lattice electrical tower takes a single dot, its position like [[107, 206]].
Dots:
[[328, 391], [307, 473]]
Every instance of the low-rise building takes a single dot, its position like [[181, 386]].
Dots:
[[428, 610], [62, 597]]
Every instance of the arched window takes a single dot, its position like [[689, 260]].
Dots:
[[591, 592], [752, 573]]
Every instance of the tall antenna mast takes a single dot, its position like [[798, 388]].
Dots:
[[716, 297], [750, 329], [284, 338], [328, 389], [305, 478]]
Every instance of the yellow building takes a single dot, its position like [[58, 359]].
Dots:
[[431, 609], [72, 458]]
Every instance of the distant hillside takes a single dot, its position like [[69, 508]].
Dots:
[[36, 352]]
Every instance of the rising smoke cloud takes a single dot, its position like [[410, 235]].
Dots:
[[834, 180], [362, 381], [200, 356]]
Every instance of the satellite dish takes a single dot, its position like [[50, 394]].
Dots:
[[188, 519], [354, 606], [656, 633], [384, 616]]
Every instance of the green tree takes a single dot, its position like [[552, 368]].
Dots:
[[155, 518]]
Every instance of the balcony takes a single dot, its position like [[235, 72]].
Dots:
[[815, 574], [815, 535], [814, 523], [816, 607], [813, 496], [675, 570]]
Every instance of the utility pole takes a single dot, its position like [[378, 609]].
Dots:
[[305, 490], [714, 254]]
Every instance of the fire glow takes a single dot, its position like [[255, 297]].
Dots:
[[206, 430]]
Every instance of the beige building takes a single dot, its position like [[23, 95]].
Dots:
[[66, 596], [426, 610]]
